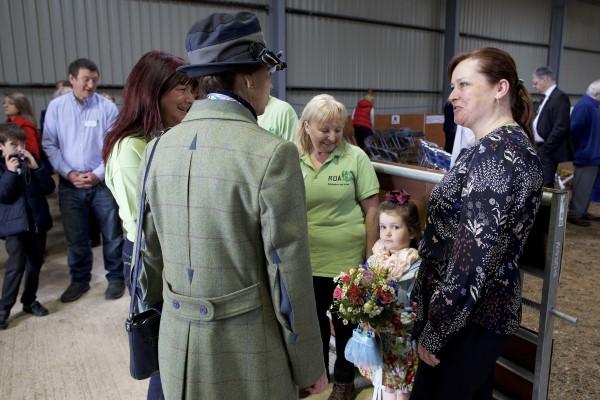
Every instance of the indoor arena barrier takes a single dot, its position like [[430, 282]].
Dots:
[[523, 369]]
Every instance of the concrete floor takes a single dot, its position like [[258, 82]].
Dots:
[[79, 351]]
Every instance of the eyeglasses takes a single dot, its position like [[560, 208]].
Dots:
[[267, 57]]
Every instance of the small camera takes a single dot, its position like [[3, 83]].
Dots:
[[18, 156]]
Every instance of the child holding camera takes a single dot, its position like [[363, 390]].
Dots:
[[24, 220]]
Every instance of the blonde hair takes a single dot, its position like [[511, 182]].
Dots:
[[23, 105], [321, 108]]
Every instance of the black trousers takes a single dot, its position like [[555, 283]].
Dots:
[[25, 257], [549, 167], [360, 134], [343, 370], [466, 368]]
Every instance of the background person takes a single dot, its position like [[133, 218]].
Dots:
[[551, 124], [279, 119], [363, 119], [585, 128], [74, 129], [155, 97], [468, 289], [24, 220], [225, 228], [341, 202], [18, 111]]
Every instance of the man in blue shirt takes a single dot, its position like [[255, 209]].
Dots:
[[585, 129], [74, 129]]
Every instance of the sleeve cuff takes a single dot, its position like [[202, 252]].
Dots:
[[432, 340]]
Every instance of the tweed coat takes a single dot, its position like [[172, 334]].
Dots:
[[225, 227]]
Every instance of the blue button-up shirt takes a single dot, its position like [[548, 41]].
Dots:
[[74, 133]]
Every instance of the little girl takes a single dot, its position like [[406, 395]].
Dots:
[[399, 234]]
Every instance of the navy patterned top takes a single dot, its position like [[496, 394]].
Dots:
[[478, 219]]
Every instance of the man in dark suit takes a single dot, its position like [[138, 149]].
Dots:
[[551, 124]]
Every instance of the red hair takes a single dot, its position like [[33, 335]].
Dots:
[[495, 65], [154, 75]]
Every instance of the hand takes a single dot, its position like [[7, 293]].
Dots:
[[75, 178], [427, 357], [12, 163], [89, 179], [319, 385], [30, 159]]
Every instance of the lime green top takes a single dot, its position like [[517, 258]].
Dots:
[[279, 119], [122, 170], [336, 223]]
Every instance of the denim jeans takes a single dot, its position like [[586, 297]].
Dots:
[[76, 205]]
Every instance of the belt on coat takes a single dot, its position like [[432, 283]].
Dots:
[[213, 308]]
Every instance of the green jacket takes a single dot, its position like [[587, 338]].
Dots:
[[225, 227]]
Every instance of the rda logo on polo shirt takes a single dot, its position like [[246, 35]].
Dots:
[[342, 179]]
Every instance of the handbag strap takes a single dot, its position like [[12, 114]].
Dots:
[[140, 225]]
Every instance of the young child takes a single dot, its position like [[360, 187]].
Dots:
[[399, 234], [24, 220]]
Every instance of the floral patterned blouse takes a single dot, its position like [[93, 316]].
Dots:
[[478, 219]]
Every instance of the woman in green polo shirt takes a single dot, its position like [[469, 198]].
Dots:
[[341, 201]]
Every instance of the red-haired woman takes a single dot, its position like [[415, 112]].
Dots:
[[155, 97], [468, 289], [18, 111]]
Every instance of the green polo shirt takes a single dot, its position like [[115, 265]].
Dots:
[[336, 223]]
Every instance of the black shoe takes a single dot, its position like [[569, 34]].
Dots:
[[590, 217], [36, 309], [342, 391], [3, 321], [578, 221], [303, 393], [114, 290], [74, 291]]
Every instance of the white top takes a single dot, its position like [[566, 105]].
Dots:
[[464, 138], [538, 138]]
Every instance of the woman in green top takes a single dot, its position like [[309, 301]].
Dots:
[[341, 199], [155, 97]]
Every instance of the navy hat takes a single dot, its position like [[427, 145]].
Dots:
[[226, 42]]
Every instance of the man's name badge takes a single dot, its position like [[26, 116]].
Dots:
[[90, 123]]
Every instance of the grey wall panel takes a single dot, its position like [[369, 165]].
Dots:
[[324, 52], [41, 37], [578, 70], [582, 29], [385, 103], [527, 58], [426, 13], [507, 19]]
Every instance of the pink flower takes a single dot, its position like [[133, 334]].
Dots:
[[337, 293], [368, 277]]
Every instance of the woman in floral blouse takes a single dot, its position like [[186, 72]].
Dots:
[[479, 216]]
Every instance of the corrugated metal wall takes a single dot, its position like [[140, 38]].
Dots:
[[580, 67], [40, 37], [395, 46], [519, 27], [353, 44]]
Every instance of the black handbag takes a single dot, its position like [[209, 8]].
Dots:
[[142, 327]]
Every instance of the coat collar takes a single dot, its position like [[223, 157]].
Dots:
[[219, 109]]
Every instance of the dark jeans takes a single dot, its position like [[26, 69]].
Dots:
[[466, 368], [343, 370], [75, 207], [360, 134], [155, 388], [25, 255]]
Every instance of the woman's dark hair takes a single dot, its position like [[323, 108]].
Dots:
[[223, 81], [409, 212], [154, 75], [496, 65]]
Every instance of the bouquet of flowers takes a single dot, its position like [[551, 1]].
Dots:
[[369, 295]]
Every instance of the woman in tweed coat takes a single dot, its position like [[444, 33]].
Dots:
[[226, 235]]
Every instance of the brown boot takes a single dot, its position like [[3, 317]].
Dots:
[[342, 391]]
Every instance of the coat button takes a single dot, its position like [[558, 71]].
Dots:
[[176, 304], [203, 310]]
